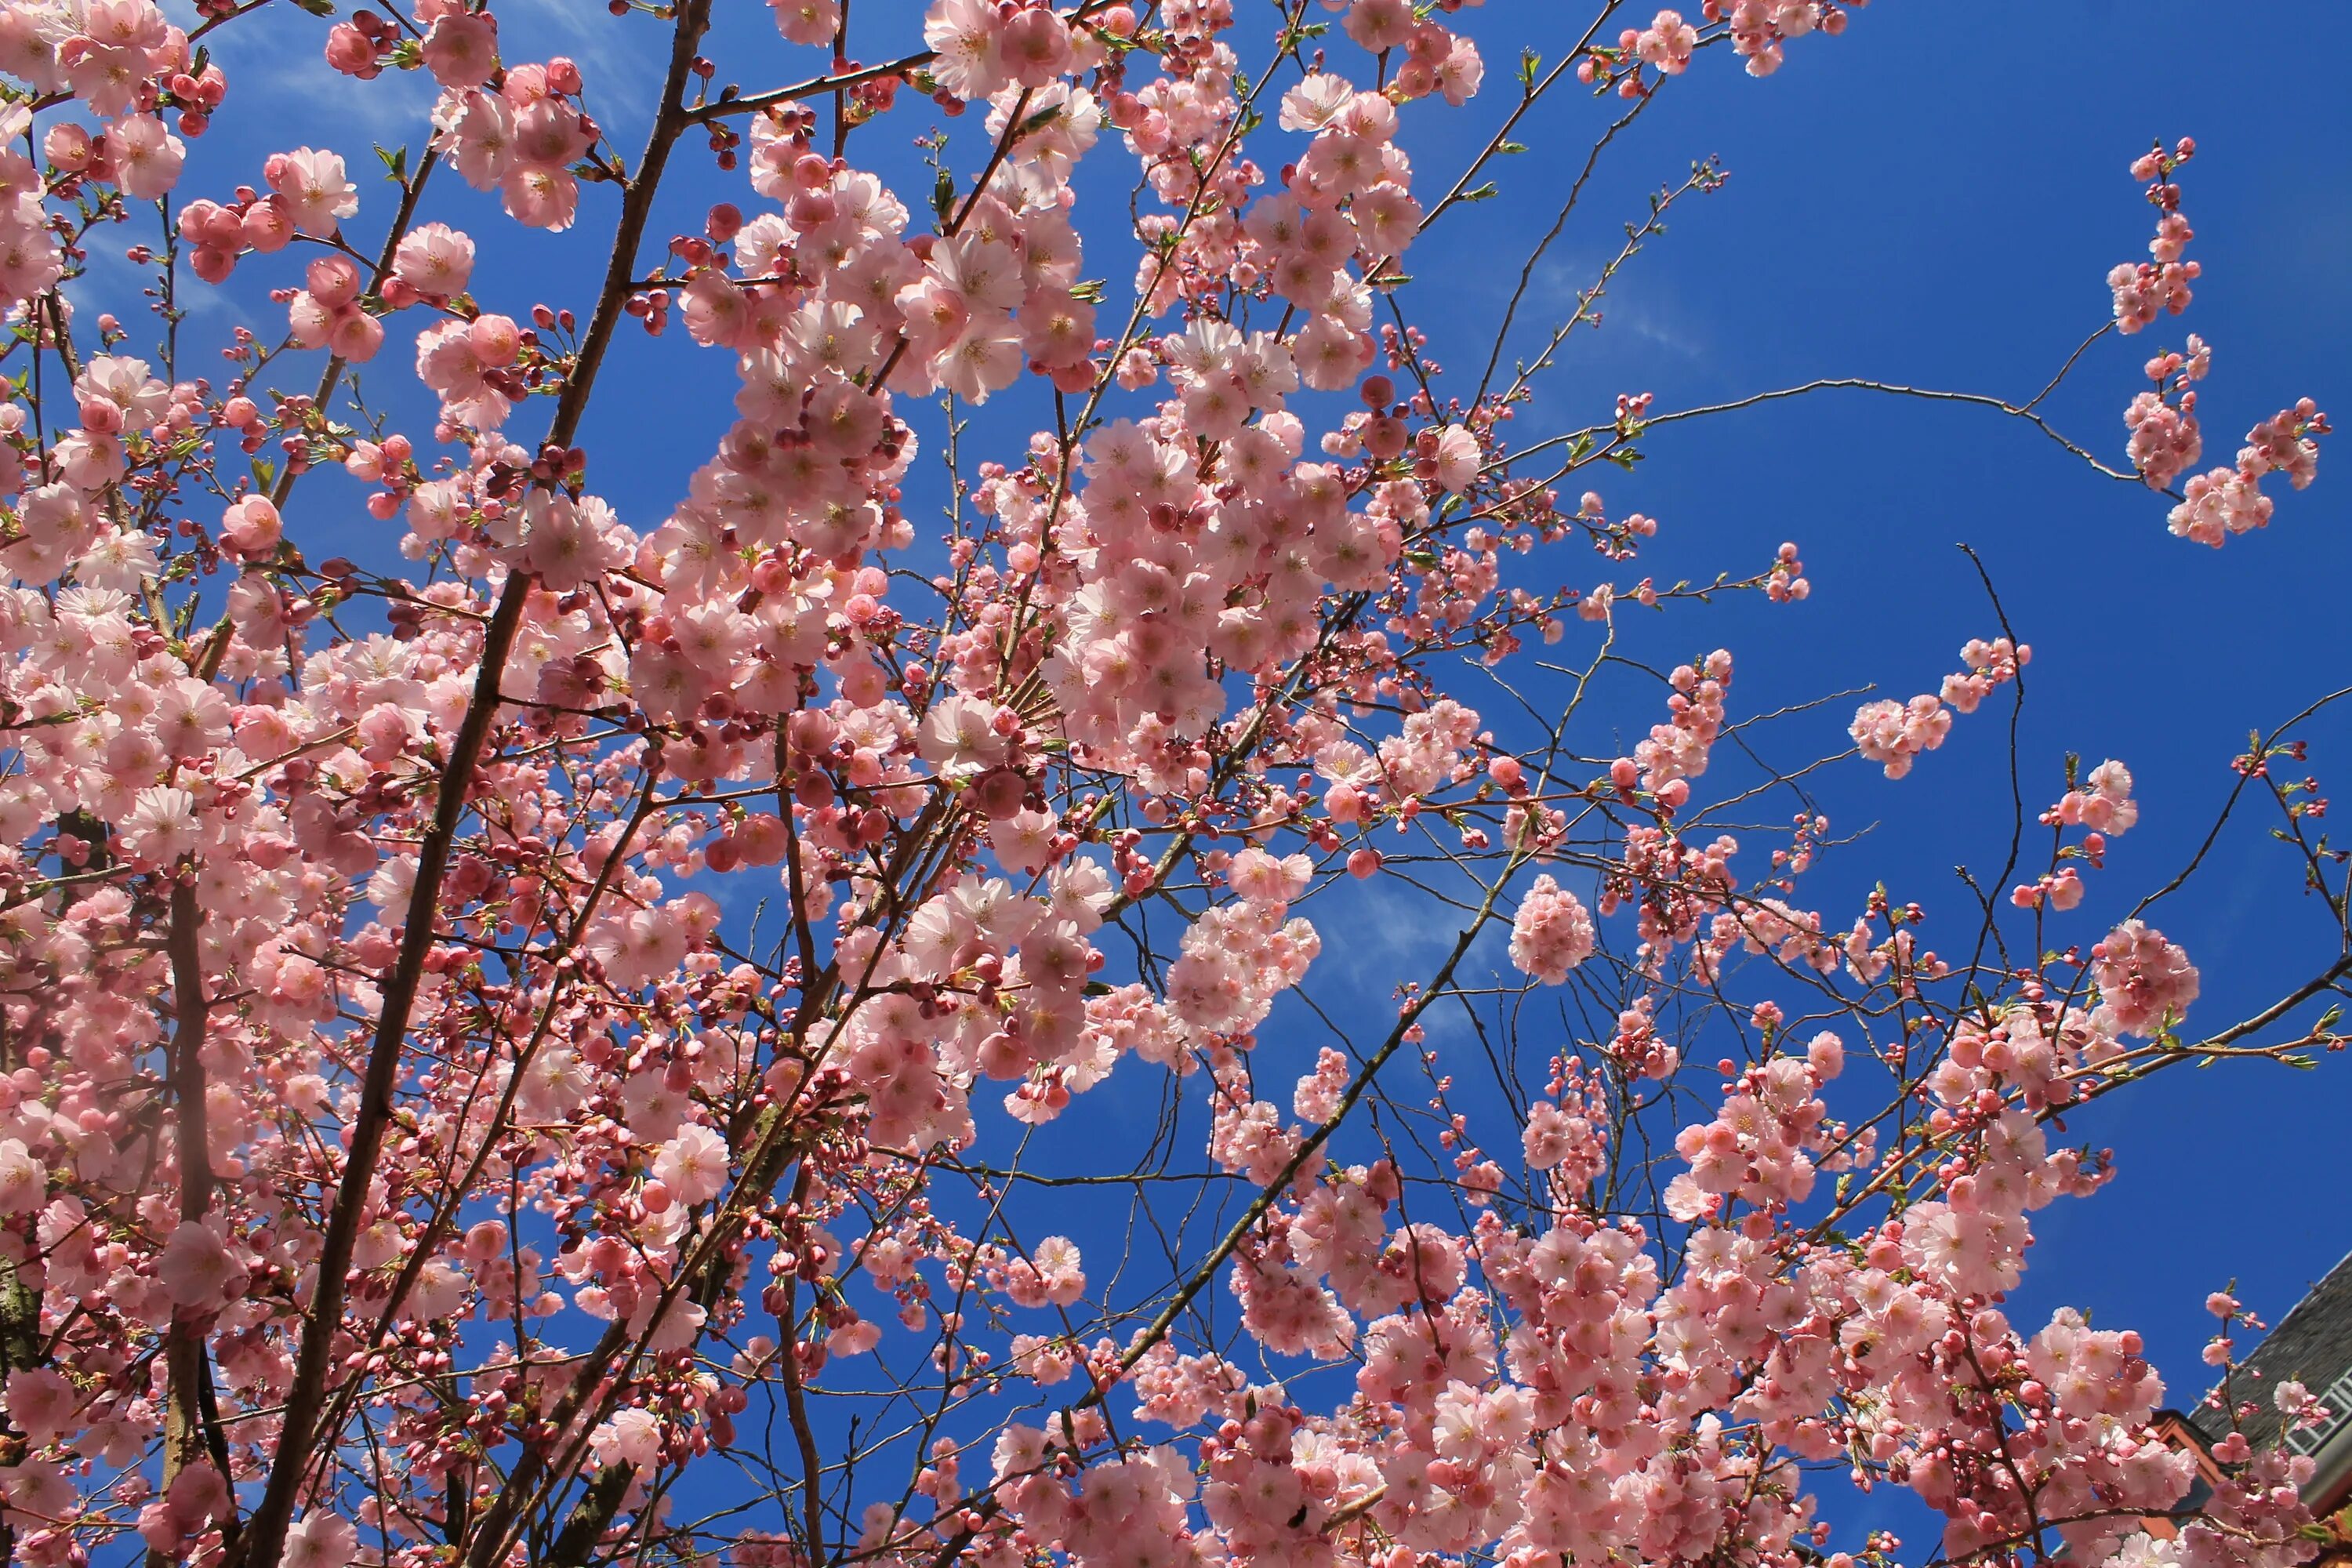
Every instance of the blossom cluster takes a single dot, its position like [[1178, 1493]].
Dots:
[[2165, 440], [565, 1000], [1893, 734]]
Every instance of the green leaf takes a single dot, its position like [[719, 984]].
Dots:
[[395, 164], [943, 196], [318, 7], [1480, 192]]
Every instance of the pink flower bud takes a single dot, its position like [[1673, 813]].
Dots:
[[193, 218], [810, 209], [268, 227], [223, 229], [332, 281], [308, 321], [811, 172], [351, 51], [251, 528], [495, 339], [356, 335], [68, 146], [998, 794]]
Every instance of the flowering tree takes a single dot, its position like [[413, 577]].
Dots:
[[780, 1030]]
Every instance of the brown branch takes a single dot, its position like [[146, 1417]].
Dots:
[[985, 1508], [190, 1424], [796, 1408], [815, 87], [306, 1396], [590, 1516], [324, 1320], [818, 86], [444, 1218], [1528, 98], [411, 191], [1852, 384], [1407, 1016]]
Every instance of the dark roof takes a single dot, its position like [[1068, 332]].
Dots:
[[2312, 1344]]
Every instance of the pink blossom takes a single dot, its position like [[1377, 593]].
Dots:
[[2143, 979], [317, 193], [1894, 733], [163, 825], [434, 259], [807, 21], [693, 1164], [1552, 933], [24, 1183], [734, 931], [196, 1268], [2103, 804], [2219, 503], [1666, 42], [322, 1541], [41, 1403], [147, 158], [460, 48], [965, 35]]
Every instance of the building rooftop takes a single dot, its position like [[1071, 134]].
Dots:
[[2313, 1345]]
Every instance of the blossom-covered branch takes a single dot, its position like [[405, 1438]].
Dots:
[[1115, 998]]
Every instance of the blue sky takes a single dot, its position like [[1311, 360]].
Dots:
[[1932, 199], [1935, 203]]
